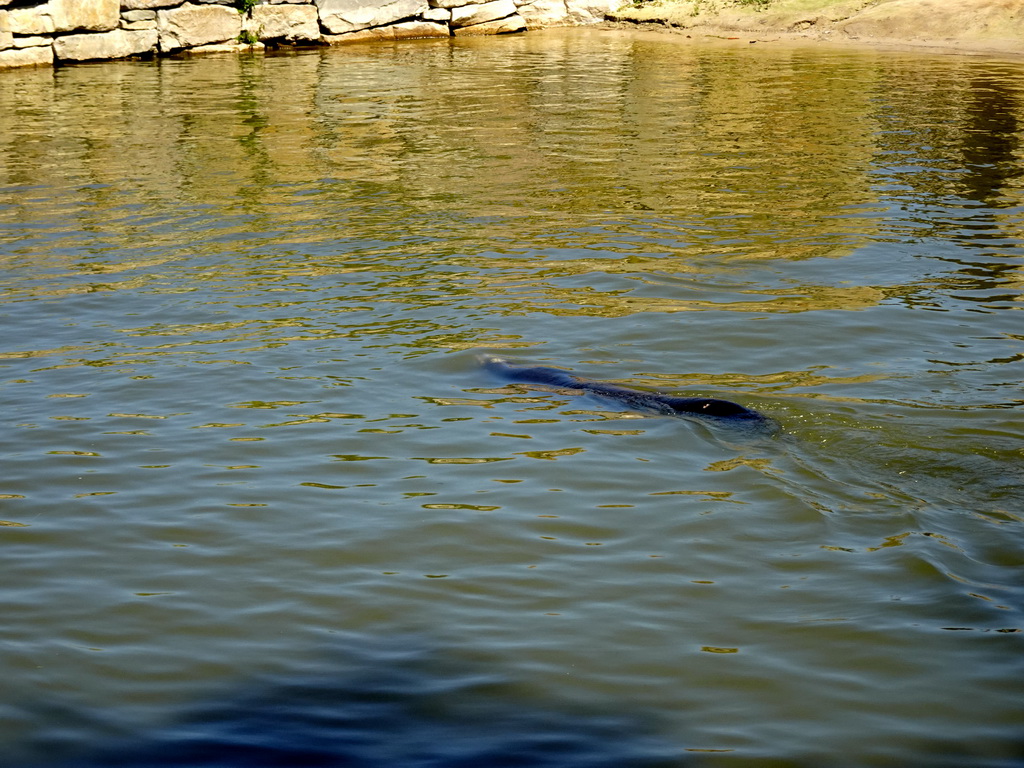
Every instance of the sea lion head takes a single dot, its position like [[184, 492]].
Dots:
[[710, 406]]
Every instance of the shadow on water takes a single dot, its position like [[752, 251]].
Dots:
[[991, 141], [375, 703]]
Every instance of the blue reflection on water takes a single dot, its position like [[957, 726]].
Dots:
[[391, 704]]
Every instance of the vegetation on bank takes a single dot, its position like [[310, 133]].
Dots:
[[708, 6], [711, 4]]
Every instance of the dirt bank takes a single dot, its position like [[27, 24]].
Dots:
[[966, 26]]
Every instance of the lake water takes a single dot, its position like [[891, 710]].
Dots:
[[261, 505]]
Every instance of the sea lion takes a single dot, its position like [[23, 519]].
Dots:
[[656, 402]]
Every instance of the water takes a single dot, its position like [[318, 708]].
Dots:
[[262, 506]]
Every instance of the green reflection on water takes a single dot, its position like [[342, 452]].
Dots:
[[758, 161]]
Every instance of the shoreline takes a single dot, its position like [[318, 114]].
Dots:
[[58, 32], [968, 27]]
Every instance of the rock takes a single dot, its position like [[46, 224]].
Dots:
[[64, 16], [437, 14], [30, 21], [514, 23], [116, 44], [40, 56], [194, 25], [136, 20], [136, 25], [359, 36], [30, 42], [138, 16], [544, 13], [230, 47], [288, 22], [590, 11], [85, 15], [408, 30], [339, 16], [478, 14], [455, 3], [6, 40], [412, 30], [131, 5]]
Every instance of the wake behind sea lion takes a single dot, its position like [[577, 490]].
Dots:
[[656, 402]]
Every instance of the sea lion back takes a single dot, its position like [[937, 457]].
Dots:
[[530, 374]]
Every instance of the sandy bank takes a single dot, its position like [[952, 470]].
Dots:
[[965, 26]]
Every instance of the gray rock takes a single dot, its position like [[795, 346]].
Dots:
[[437, 14], [590, 11], [411, 30], [138, 15], [514, 23], [115, 44], [31, 42], [131, 5], [85, 15], [136, 20], [469, 15], [290, 22], [339, 16], [64, 16], [136, 25], [408, 30], [29, 21], [193, 25], [455, 3], [545, 13], [40, 56], [229, 47]]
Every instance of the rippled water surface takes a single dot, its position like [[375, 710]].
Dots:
[[261, 505]]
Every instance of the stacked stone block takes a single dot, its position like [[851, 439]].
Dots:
[[58, 31]]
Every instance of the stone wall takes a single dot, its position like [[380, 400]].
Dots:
[[58, 31]]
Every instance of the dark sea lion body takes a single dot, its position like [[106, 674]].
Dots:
[[656, 402]]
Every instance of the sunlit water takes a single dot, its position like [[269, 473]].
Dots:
[[262, 506]]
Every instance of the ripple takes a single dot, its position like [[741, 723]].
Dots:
[[243, 298]]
